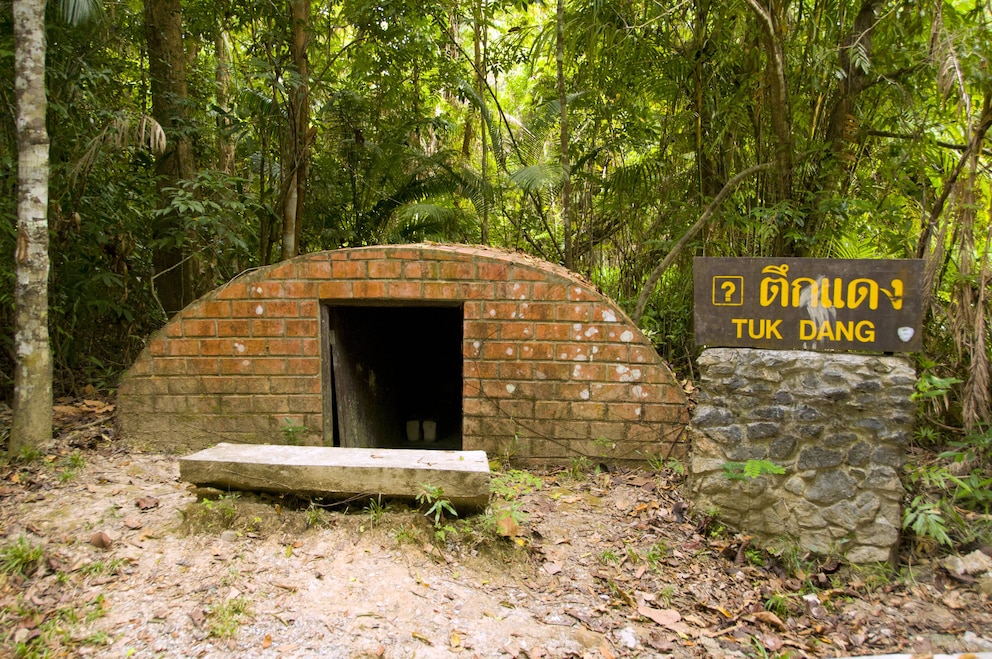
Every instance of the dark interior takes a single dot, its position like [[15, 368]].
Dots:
[[391, 369]]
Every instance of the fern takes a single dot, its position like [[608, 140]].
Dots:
[[738, 471]]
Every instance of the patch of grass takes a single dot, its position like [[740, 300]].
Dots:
[[656, 553], [579, 467], [778, 604], [223, 619], [22, 557], [515, 483], [375, 509], [608, 557], [103, 568], [432, 496]]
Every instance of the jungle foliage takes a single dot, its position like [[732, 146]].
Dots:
[[862, 126]]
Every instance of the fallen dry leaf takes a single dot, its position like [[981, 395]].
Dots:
[[146, 503], [663, 617], [101, 540], [133, 523], [768, 618]]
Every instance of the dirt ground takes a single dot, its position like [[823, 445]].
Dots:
[[107, 553]]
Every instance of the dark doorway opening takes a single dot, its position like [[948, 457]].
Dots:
[[394, 376]]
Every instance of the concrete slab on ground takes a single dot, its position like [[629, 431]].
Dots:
[[341, 472]]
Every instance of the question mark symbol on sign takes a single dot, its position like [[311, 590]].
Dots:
[[728, 290]]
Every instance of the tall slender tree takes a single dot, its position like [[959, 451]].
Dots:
[[167, 74], [32, 422]]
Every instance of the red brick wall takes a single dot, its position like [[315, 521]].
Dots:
[[552, 369]]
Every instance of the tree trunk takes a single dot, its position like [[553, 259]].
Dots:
[[769, 22], [167, 74], [225, 147], [297, 142], [479, 44], [566, 168], [32, 422]]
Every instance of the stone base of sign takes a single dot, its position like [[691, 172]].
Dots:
[[836, 423]]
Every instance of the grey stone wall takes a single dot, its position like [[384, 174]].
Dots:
[[837, 424]]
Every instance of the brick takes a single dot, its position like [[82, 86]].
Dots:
[[477, 290], [591, 411], [583, 294], [456, 270], [421, 270], [335, 290], [585, 332], [270, 404], [265, 289], [571, 312], [263, 327], [218, 385], [405, 290], [294, 385], [282, 309], [236, 290], [537, 311], [313, 270], [305, 404], [499, 350], [625, 373], [501, 310], [480, 369], [248, 384], [141, 367], [478, 407], [537, 351], [215, 309], [249, 347], [626, 411], [572, 352], [516, 370], [609, 392], [546, 292], [305, 327], [552, 410], [441, 290], [474, 329], [284, 347], [643, 355], [367, 253], [406, 253], [612, 352], [169, 366], [248, 309], [235, 366], [236, 404], [309, 309], [151, 386], [493, 271], [299, 289], [268, 366], [282, 271], [552, 331], [571, 430], [184, 347], [171, 404], [311, 348], [385, 269], [588, 371], [240, 327], [203, 366], [551, 370], [517, 409], [573, 392], [370, 290], [216, 347], [527, 273], [516, 330], [174, 329], [608, 430], [158, 347], [303, 366]]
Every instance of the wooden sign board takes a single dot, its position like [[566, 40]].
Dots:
[[809, 304]]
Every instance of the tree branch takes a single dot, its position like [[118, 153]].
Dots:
[[729, 186]]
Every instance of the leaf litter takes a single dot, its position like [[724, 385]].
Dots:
[[598, 565]]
